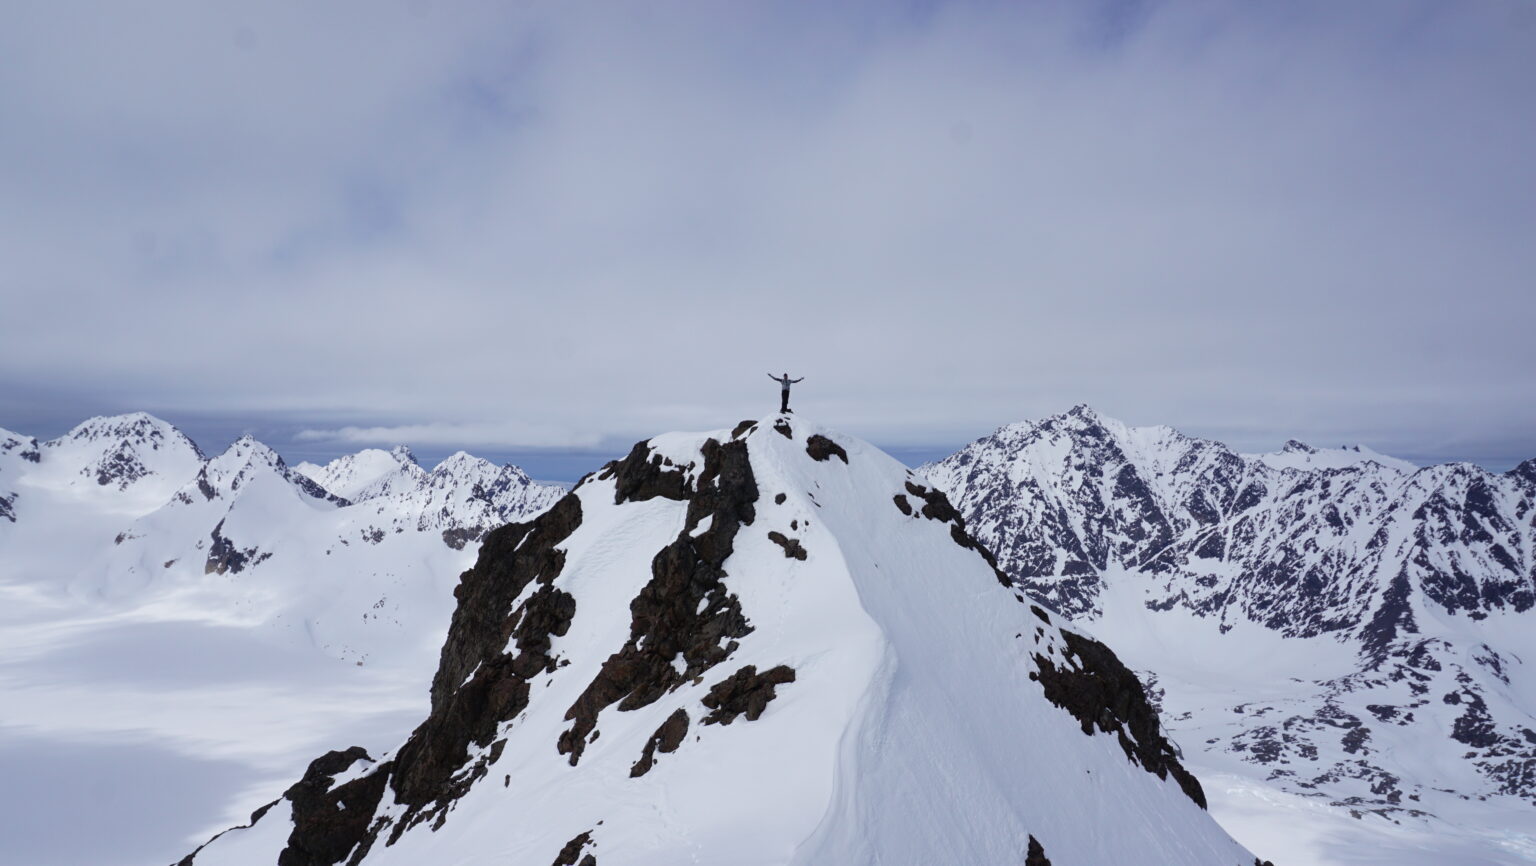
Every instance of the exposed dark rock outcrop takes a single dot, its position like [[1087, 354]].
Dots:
[[1393, 618], [1036, 855], [224, 557], [645, 475], [685, 610], [793, 549], [745, 692], [666, 739], [1102, 692], [121, 467], [330, 822], [571, 854], [936, 507], [935, 504], [822, 448], [458, 536], [479, 685]]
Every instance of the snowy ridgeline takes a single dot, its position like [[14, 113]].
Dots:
[[128, 510], [766, 645], [1340, 639]]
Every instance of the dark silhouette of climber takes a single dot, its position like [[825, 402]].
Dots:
[[784, 395]]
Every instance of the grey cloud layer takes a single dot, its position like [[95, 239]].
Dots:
[[558, 226]]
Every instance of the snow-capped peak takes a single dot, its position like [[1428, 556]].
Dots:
[[133, 428], [792, 652], [242, 462], [370, 473], [137, 455], [14, 446], [462, 464]]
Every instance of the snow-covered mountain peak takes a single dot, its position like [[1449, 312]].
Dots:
[[1526, 472], [1084, 413], [22, 447], [242, 457], [133, 428], [694, 657], [371, 473], [245, 460], [136, 454], [462, 464]]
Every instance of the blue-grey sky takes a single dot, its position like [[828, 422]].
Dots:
[[551, 228]]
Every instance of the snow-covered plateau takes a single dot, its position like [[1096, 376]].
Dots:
[[1341, 641]]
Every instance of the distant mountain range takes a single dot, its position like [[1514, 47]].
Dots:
[[1405, 685], [337, 552]]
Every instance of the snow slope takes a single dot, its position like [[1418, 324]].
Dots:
[[760, 646], [1345, 636]]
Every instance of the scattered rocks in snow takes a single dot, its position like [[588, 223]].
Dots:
[[935, 504], [1102, 692], [792, 547]]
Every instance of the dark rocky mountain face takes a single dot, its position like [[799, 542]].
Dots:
[[1418, 572]]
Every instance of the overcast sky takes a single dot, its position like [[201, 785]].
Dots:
[[523, 227]]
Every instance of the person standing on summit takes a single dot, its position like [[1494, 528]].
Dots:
[[784, 395]]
